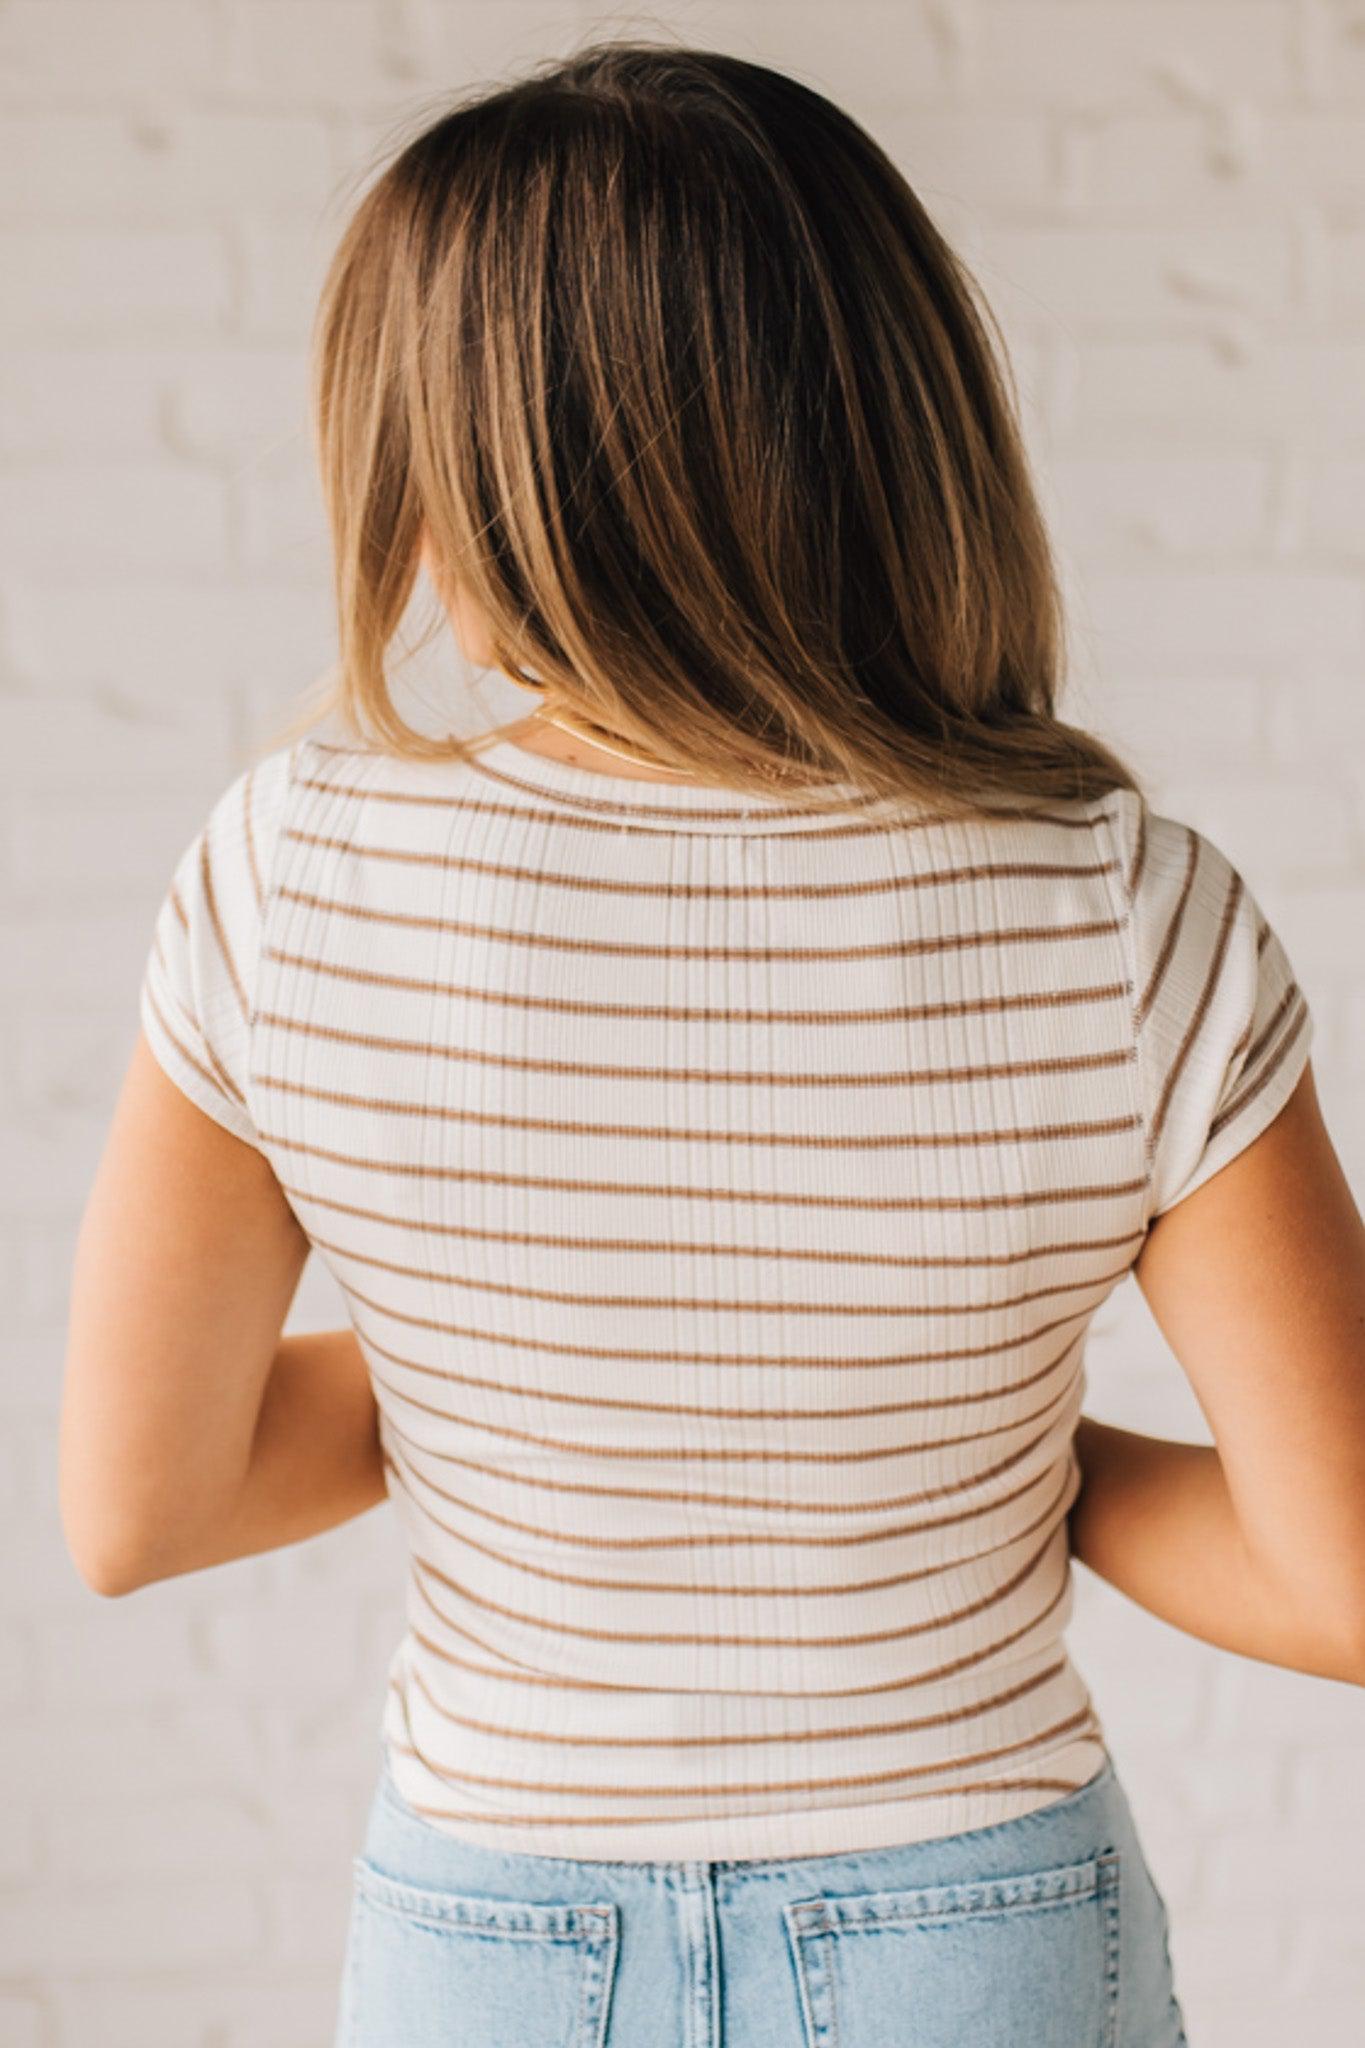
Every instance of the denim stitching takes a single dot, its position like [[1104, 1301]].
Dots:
[[601, 1967], [351, 1991], [758, 1869], [970, 1898], [542, 1921], [812, 1931], [585, 1988], [1110, 1863], [813, 1956]]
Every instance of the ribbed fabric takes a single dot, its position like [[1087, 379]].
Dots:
[[722, 1196]]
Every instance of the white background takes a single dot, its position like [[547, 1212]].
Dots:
[[1165, 203]]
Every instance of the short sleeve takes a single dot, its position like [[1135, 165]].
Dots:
[[1224, 1030], [199, 978]]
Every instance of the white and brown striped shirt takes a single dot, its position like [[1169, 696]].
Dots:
[[722, 1196]]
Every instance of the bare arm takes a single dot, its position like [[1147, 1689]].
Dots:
[[1257, 1280], [1146, 1508], [315, 1459], [192, 1429]]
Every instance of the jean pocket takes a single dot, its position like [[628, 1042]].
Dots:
[[426, 1967], [1023, 1961]]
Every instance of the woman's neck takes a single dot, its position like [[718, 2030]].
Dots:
[[534, 735]]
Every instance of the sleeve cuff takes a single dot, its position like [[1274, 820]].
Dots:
[[183, 1062], [1258, 1103]]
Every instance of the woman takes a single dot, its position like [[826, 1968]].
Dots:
[[724, 1099]]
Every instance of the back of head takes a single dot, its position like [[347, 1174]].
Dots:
[[662, 362]]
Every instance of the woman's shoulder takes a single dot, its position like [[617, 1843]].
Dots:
[[1223, 1025]]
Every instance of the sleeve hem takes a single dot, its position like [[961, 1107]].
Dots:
[[1258, 1111], [190, 1077]]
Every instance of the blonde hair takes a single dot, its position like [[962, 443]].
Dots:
[[669, 363]]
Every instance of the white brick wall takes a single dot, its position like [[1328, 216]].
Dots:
[[1163, 201]]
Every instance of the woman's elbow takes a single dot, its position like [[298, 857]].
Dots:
[[101, 1539], [108, 1568]]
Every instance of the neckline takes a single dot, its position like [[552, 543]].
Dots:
[[692, 806]]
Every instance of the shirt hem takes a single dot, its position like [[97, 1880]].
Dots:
[[1031, 1787]]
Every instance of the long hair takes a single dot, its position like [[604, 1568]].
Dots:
[[661, 357]]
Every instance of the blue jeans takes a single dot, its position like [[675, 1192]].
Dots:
[[1046, 1931]]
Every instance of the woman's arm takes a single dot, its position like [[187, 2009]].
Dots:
[[187, 1261], [315, 1458], [1156, 1519], [1255, 1542]]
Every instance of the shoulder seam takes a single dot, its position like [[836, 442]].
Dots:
[[1123, 899], [269, 881]]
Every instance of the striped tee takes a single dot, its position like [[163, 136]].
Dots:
[[721, 1196]]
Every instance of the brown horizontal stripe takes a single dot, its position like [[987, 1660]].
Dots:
[[177, 904], [573, 1397], [675, 1191], [1266, 1036], [422, 1226], [691, 1497], [982, 1654], [483, 1817], [345, 997], [746, 1304], [687, 1640], [954, 1668], [622, 885], [692, 1589], [901, 947], [718, 814], [1139, 852], [730, 1077], [169, 976], [658, 1355], [700, 1013], [216, 1073], [677, 1453], [482, 806], [215, 1076], [1196, 1023], [221, 940], [727, 1539], [678, 1135], [249, 835], [1267, 1071], [1083, 1717], [874, 1730], [1235, 1057], [617, 807], [1171, 935]]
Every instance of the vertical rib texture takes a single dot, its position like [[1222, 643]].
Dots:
[[722, 1196]]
